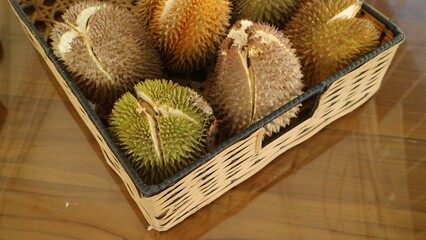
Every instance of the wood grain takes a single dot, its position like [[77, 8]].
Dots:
[[363, 177]]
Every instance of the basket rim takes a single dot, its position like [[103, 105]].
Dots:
[[147, 191]]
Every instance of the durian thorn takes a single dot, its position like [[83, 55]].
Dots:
[[213, 128], [178, 113], [349, 12], [209, 130], [200, 102], [89, 47], [268, 38]]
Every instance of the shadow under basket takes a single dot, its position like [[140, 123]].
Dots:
[[166, 204]]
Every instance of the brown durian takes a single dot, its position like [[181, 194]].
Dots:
[[162, 128], [187, 32], [105, 50], [275, 12], [328, 37], [257, 72]]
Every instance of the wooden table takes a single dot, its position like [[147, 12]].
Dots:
[[363, 177]]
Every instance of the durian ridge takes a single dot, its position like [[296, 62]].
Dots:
[[240, 39], [64, 45], [147, 109], [84, 16], [348, 13], [252, 80], [80, 29], [154, 110], [157, 109], [167, 8]]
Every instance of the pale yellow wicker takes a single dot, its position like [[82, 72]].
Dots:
[[168, 203]]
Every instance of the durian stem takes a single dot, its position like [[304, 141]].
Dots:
[[155, 109]]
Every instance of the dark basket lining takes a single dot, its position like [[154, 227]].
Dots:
[[151, 190]]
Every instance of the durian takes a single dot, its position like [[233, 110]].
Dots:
[[162, 128], [105, 50], [257, 72], [328, 37], [187, 32], [275, 12]]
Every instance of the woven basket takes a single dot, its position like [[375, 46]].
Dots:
[[166, 204]]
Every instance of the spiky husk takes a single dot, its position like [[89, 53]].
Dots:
[[275, 12], [105, 49], [326, 41], [163, 129], [189, 32], [257, 72]]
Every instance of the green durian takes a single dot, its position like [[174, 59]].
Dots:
[[162, 128], [187, 32], [275, 12], [257, 72], [328, 38], [105, 50]]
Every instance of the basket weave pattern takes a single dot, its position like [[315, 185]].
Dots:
[[237, 162], [245, 158]]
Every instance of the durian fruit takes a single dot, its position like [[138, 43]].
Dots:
[[328, 37], [275, 12], [105, 50], [257, 72], [187, 32], [162, 128]]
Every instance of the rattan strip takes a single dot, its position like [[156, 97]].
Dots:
[[386, 33], [168, 201]]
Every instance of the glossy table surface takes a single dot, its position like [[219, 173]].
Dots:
[[363, 177]]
